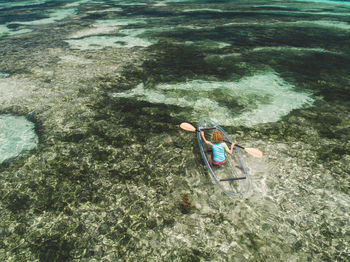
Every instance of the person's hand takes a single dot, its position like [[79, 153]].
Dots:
[[232, 146], [203, 137]]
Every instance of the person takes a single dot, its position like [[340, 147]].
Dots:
[[218, 147]]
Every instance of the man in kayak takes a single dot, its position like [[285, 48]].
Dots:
[[218, 147]]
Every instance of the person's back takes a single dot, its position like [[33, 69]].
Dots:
[[218, 151], [218, 147]]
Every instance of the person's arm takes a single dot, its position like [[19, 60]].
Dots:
[[203, 137], [228, 150]]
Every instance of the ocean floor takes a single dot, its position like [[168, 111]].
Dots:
[[94, 166]]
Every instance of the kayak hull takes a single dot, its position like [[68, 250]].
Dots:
[[232, 177]]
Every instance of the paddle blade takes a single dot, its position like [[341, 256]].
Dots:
[[188, 127], [254, 152]]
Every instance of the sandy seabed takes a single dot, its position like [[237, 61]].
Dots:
[[111, 165]]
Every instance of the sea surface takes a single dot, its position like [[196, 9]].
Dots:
[[94, 165]]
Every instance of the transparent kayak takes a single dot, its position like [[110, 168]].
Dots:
[[232, 176]]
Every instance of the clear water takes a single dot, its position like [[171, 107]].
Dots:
[[107, 83], [16, 136], [3, 75], [265, 97], [53, 16]]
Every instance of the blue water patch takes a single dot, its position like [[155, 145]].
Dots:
[[17, 135], [3, 75], [6, 31]]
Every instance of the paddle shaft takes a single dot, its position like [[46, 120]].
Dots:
[[235, 144], [229, 142], [234, 178], [252, 151]]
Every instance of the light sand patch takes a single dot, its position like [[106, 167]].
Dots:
[[54, 16], [94, 31], [81, 2], [343, 2], [115, 9], [160, 4], [129, 38], [5, 31], [208, 44], [322, 23], [205, 10], [131, 3], [291, 49], [13, 89], [263, 98], [16, 135], [71, 59], [22, 3], [120, 22], [3, 75]]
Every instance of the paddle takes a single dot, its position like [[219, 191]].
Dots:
[[234, 178], [252, 151]]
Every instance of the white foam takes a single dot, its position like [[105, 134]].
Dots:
[[16, 135], [263, 98]]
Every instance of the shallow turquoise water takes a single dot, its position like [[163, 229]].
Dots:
[[17, 135], [107, 83]]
